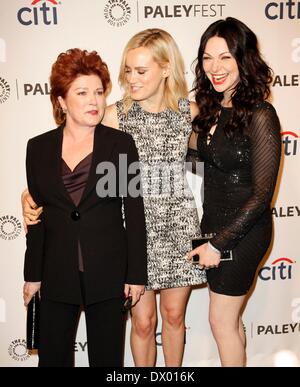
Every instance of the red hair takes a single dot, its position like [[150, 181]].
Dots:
[[68, 66]]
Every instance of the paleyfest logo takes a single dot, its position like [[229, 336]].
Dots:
[[187, 10], [10, 227], [117, 12], [4, 90], [18, 350]]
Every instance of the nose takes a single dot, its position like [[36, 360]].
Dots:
[[215, 65], [93, 100], [131, 78]]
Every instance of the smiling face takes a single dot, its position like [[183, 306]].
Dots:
[[220, 66], [145, 77], [85, 101]]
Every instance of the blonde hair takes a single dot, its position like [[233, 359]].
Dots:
[[165, 52]]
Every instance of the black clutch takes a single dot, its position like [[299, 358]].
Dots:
[[33, 322], [196, 242]]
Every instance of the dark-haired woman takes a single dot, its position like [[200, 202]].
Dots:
[[80, 252], [238, 138]]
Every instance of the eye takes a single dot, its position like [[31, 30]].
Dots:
[[205, 58], [226, 57], [81, 93], [100, 92], [141, 72]]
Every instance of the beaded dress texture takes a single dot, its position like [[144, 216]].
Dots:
[[239, 180], [170, 210]]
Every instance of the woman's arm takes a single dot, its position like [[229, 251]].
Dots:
[[35, 236], [265, 153], [192, 158], [135, 227], [111, 117]]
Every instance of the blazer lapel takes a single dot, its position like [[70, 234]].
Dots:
[[103, 147]]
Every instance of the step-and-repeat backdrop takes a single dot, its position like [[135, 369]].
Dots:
[[32, 34]]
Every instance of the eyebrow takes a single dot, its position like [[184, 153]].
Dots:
[[86, 88], [138, 67], [222, 53]]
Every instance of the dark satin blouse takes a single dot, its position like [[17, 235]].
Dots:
[[75, 182]]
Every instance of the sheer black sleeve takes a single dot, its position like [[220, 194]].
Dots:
[[265, 137], [193, 161], [193, 158]]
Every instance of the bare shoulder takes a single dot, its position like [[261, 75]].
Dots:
[[111, 117], [194, 109]]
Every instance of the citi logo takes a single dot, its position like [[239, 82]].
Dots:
[[290, 143], [283, 10], [280, 269], [39, 13], [38, 1]]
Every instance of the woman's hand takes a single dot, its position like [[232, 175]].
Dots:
[[30, 211], [29, 290], [208, 257], [135, 291]]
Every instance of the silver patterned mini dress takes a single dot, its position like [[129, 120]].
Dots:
[[170, 210]]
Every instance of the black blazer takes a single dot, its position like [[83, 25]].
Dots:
[[112, 255]]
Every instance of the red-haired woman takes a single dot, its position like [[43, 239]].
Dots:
[[80, 252]]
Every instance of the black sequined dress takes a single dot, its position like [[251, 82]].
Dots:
[[239, 180]]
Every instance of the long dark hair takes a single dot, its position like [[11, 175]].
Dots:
[[252, 89]]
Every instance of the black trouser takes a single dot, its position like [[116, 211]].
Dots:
[[105, 333]]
